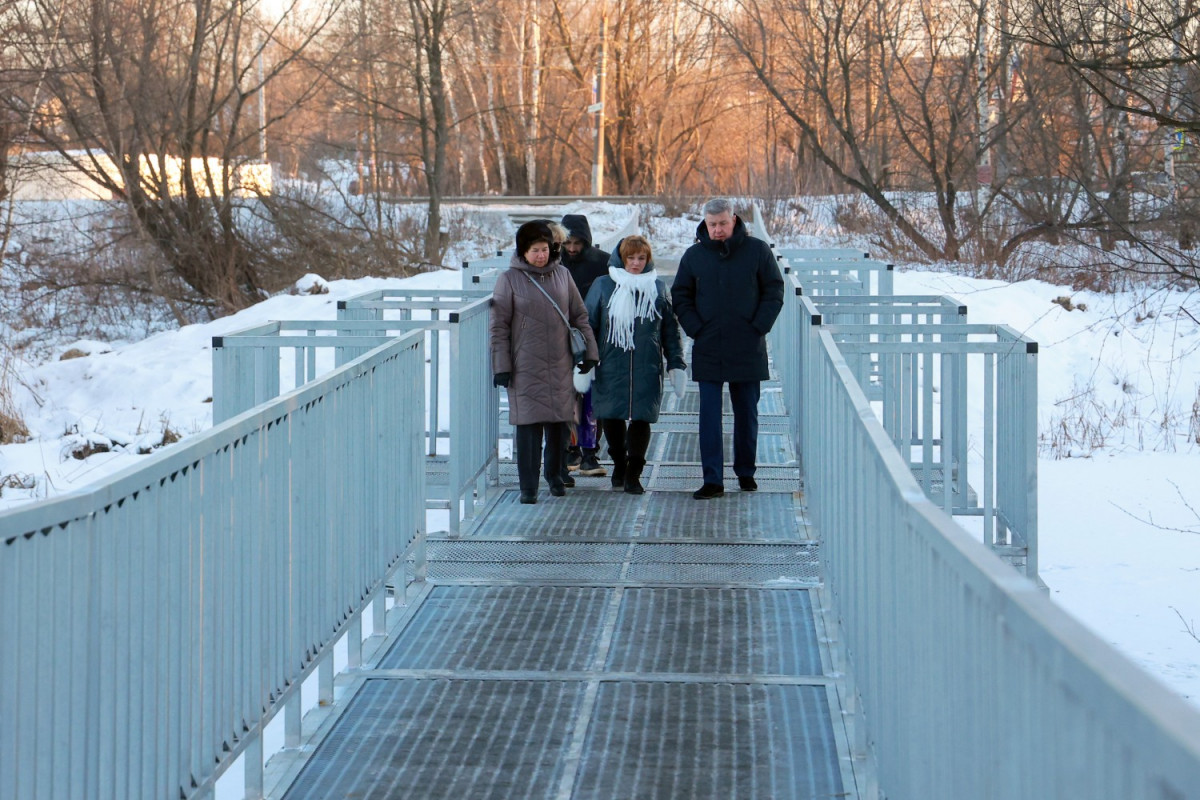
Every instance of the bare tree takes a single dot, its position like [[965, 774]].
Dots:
[[828, 64], [155, 102], [1140, 63]]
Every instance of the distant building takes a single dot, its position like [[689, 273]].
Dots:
[[50, 175]]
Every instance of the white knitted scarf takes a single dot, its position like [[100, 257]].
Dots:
[[634, 298]]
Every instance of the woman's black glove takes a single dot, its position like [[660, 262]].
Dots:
[[502, 379], [587, 366]]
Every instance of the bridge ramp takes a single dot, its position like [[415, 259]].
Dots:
[[606, 645]]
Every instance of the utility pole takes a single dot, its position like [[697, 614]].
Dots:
[[598, 108]]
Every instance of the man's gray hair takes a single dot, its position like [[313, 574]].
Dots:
[[718, 205]]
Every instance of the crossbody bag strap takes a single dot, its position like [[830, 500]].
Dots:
[[551, 299]]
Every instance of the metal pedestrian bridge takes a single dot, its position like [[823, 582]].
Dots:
[[333, 593]]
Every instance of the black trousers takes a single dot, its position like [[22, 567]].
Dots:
[[528, 444], [627, 443]]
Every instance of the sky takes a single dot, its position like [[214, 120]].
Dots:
[[1118, 409]]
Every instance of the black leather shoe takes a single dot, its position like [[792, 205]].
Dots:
[[558, 491], [747, 484], [569, 482], [708, 491], [634, 486], [528, 499]]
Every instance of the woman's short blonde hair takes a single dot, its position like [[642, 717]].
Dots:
[[632, 246]]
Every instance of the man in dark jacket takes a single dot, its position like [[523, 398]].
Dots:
[[727, 294], [585, 262]]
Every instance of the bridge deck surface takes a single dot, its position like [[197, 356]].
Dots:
[[606, 645]]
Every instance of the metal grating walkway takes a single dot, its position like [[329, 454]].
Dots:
[[606, 645]]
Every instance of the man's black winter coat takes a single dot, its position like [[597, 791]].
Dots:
[[727, 295]]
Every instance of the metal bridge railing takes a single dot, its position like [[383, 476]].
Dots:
[[970, 680], [472, 435], [152, 625], [255, 364], [847, 272], [479, 274], [912, 355], [906, 310], [923, 407]]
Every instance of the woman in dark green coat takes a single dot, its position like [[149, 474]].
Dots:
[[636, 330]]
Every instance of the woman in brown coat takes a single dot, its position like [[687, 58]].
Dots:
[[531, 354]]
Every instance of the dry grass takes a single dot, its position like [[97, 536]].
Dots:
[[12, 426]]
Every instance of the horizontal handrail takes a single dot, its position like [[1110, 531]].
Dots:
[[797, 254], [152, 624], [841, 275], [968, 675], [249, 367]]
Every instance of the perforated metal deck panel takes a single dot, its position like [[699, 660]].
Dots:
[[737, 515], [722, 740], [511, 628], [603, 692], [508, 476], [684, 446], [609, 564], [582, 514], [688, 477], [715, 631], [602, 515], [770, 401], [438, 738]]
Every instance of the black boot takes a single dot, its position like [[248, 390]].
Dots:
[[590, 465], [618, 470], [637, 443], [633, 475]]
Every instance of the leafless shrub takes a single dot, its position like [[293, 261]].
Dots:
[[674, 204], [315, 288], [855, 215], [1068, 305], [80, 274], [346, 237], [169, 434], [17, 480], [90, 447], [1083, 425], [783, 216]]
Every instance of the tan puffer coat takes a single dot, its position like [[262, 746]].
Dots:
[[529, 340]]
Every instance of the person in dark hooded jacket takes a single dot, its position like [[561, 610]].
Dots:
[[585, 262], [728, 291], [636, 330]]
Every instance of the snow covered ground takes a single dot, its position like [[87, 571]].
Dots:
[[1119, 414]]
